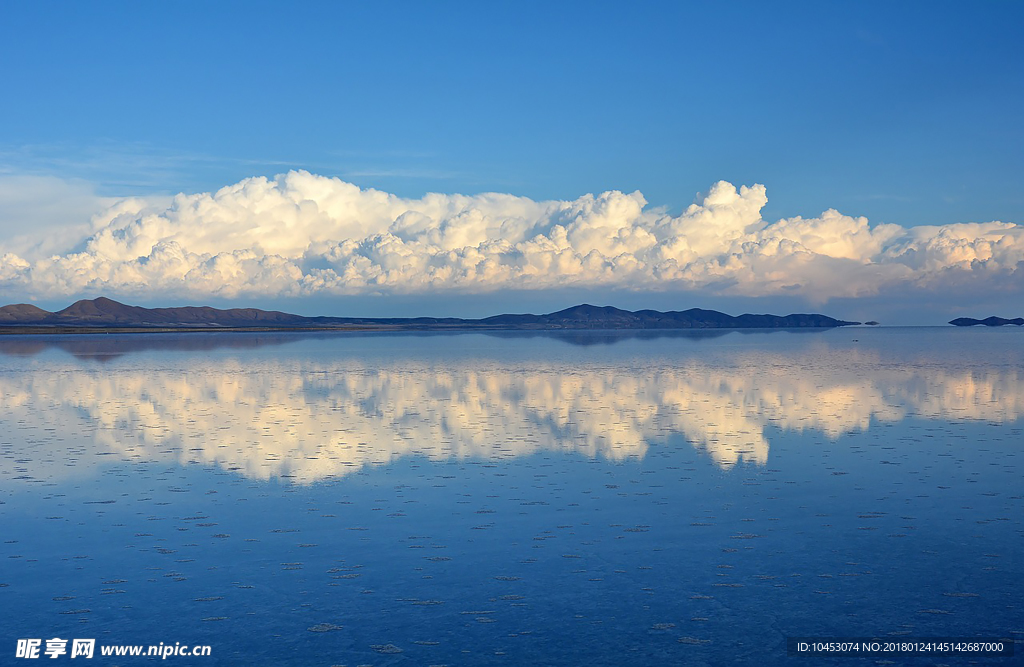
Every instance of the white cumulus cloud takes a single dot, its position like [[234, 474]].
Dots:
[[301, 234]]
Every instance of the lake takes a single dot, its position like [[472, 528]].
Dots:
[[581, 498]]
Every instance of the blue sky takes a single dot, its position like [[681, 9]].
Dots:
[[905, 113]]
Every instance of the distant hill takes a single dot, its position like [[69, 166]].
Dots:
[[107, 313], [586, 316], [22, 312], [988, 321]]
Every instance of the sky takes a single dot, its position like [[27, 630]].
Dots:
[[860, 159]]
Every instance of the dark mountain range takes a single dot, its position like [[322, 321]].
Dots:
[[594, 317], [106, 313], [988, 321]]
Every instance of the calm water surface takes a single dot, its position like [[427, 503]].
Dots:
[[510, 499]]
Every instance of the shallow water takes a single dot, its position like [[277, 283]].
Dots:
[[471, 499]]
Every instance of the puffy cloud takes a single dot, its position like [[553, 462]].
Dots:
[[301, 234]]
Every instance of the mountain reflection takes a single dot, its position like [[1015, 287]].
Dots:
[[101, 347], [310, 420]]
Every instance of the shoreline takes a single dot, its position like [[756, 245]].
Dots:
[[100, 330]]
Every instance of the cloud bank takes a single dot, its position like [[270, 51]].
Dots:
[[300, 234]]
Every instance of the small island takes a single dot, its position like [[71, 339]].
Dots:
[[988, 322], [106, 315]]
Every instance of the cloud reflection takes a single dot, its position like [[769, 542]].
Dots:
[[312, 420]]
